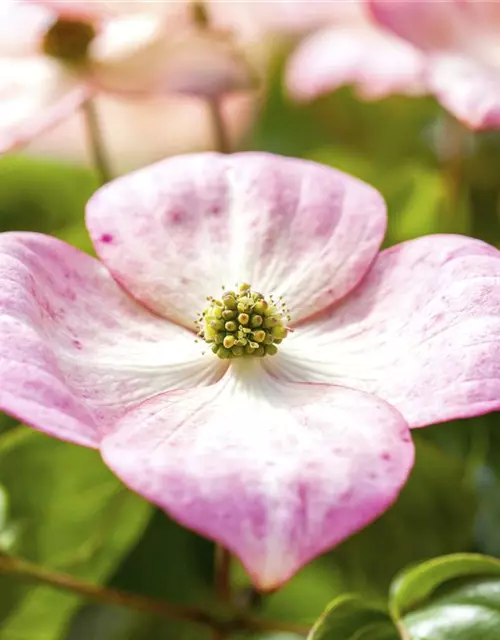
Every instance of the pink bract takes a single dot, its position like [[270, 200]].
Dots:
[[460, 39], [279, 458]]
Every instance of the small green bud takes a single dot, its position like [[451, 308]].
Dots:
[[228, 314], [237, 351], [271, 349], [270, 321], [223, 353], [260, 307], [243, 318], [279, 332], [219, 337], [259, 336], [217, 325], [229, 342], [256, 320], [260, 352], [229, 301], [230, 326], [244, 286]]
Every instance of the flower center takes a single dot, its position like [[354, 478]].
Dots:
[[68, 40], [243, 323]]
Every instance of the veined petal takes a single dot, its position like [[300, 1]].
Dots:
[[177, 231], [75, 351], [469, 90], [35, 96], [276, 472], [422, 331], [376, 62]]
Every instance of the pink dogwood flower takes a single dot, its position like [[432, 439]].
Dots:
[[349, 48], [271, 415], [460, 39], [56, 55]]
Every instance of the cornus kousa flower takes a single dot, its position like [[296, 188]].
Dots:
[[244, 356], [460, 39], [56, 55]]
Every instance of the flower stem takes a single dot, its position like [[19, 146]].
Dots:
[[220, 135], [223, 574], [201, 18], [222, 584], [97, 147], [453, 142], [31, 572]]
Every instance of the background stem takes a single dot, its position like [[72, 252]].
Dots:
[[97, 147], [220, 135]]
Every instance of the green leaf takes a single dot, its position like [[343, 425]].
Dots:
[[418, 583], [349, 617], [468, 612], [73, 516], [455, 597]]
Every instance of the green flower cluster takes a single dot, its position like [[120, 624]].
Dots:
[[243, 323]]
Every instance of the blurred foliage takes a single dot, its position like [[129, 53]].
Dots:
[[70, 514], [59, 506]]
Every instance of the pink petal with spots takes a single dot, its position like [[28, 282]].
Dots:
[[35, 96], [187, 225], [276, 472], [468, 90], [75, 351], [376, 63], [422, 331], [428, 25]]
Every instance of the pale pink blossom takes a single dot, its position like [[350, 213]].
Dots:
[[55, 55], [461, 40], [279, 457], [347, 47]]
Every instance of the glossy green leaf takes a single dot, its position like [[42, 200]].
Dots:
[[349, 617], [470, 611], [417, 583], [73, 515]]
